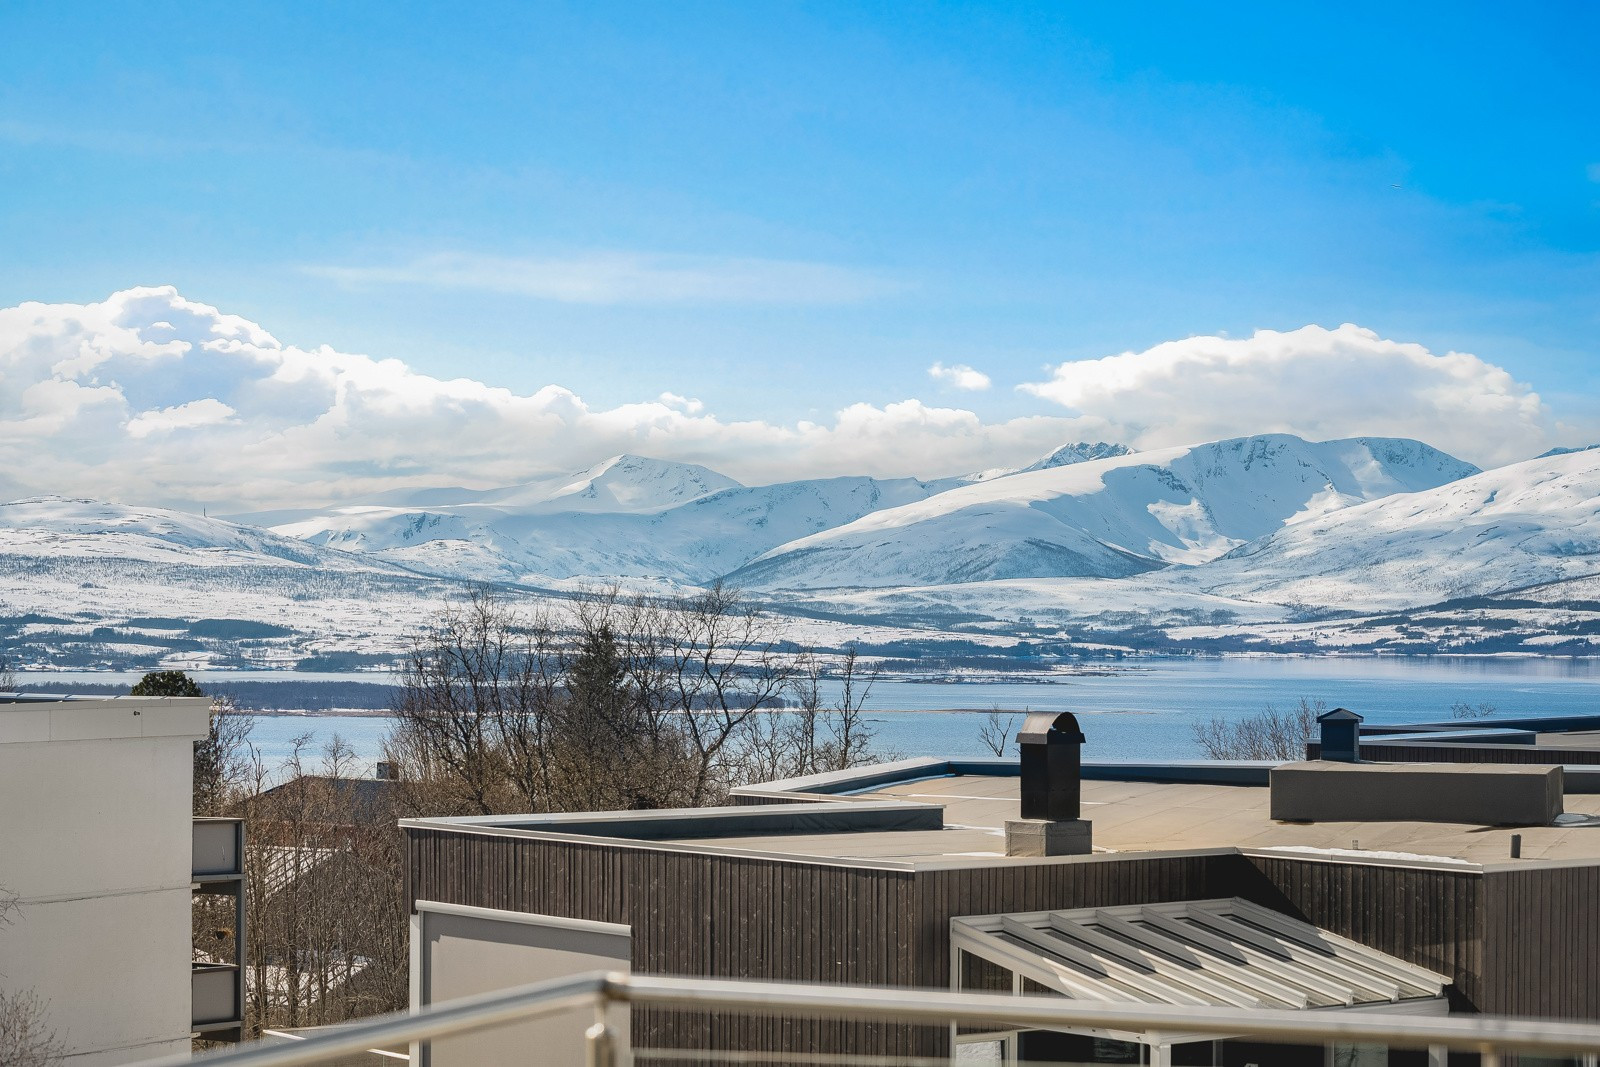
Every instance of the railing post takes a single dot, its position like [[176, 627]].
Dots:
[[600, 1045]]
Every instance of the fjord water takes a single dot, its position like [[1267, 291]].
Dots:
[[1139, 709]]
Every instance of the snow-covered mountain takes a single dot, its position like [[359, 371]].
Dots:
[[1506, 529], [626, 517], [620, 484], [1077, 452], [696, 541], [1106, 518], [1264, 542], [60, 528]]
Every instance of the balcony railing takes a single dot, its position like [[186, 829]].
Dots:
[[217, 986], [596, 1005]]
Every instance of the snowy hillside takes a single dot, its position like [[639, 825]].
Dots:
[[97, 586], [1106, 518], [1279, 544], [621, 483], [1066, 455], [57, 528], [626, 517], [1505, 529]]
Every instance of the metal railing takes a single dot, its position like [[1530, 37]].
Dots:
[[1488, 1036]]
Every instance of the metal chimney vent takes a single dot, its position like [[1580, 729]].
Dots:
[[1341, 736], [1052, 760]]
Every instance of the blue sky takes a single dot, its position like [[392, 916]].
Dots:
[[780, 210]]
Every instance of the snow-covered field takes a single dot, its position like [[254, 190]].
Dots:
[[1262, 543]]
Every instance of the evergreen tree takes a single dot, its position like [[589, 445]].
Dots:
[[166, 684]]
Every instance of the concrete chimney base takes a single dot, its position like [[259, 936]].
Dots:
[[1049, 837]]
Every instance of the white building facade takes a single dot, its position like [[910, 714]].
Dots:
[[96, 850]]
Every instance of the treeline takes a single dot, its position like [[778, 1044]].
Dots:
[[612, 702], [615, 703]]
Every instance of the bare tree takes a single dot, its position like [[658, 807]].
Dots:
[[851, 743], [620, 702], [725, 667], [476, 691], [1462, 710], [1269, 734], [26, 1037], [325, 905], [8, 680], [222, 761], [818, 735], [997, 729]]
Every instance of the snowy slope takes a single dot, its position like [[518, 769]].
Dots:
[[514, 538], [1066, 455], [628, 516], [57, 528], [620, 484], [1505, 529], [1106, 518]]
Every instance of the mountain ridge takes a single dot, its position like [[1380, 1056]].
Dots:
[[1108, 518]]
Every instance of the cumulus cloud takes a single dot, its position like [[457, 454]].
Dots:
[[628, 278], [208, 411], [1315, 382], [682, 403], [959, 376], [148, 397]]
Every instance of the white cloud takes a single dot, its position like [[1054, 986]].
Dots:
[[151, 398], [629, 278], [208, 411], [682, 403], [959, 376], [1314, 382], [148, 397]]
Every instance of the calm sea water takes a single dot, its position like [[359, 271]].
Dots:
[[1141, 711]]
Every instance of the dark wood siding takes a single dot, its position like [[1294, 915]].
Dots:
[[1422, 752], [943, 894], [705, 915], [1521, 941], [1541, 942], [1426, 916]]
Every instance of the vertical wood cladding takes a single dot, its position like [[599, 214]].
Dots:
[[1541, 941], [1430, 917], [1518, 941], [1421, 752], [943, 894], [737, 917]]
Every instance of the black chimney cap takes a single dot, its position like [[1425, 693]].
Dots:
[[1048, 728]]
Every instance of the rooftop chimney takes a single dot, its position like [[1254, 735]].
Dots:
[[1051, 776], [385, 771], [1341, 736]]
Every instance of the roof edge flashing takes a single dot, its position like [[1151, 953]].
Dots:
[[689, 824]]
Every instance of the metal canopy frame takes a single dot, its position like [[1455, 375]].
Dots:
[[1227, 953]]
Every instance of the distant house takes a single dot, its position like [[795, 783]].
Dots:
[[323, 907]]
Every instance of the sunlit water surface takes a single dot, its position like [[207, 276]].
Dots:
[[1143, 710]]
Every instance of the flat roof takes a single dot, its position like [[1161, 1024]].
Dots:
[[1162, 816], [34, 717], [939, 812]]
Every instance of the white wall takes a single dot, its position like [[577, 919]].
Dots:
[[459, 951], [95, 837]]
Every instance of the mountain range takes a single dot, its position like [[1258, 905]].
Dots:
[[1268, 538]]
